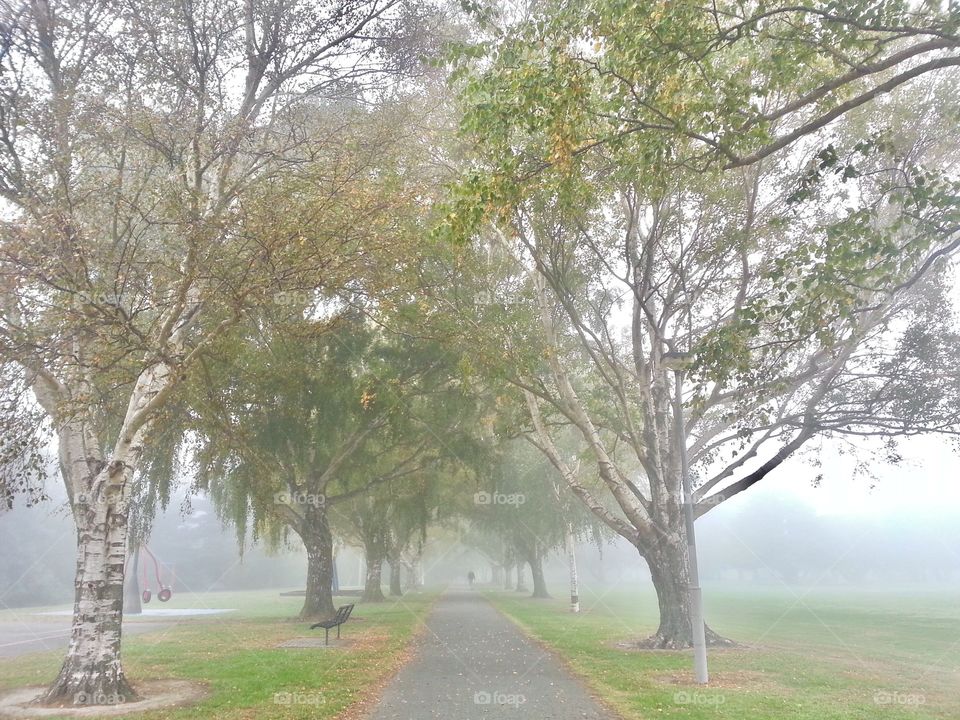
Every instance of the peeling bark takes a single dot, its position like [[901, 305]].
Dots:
[[131, 588], [99, 492], [92, 672]]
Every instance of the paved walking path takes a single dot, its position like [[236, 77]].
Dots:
[[472, 663], [24, 636]]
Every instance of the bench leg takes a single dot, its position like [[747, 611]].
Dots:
[[326, 637], [338, 632]]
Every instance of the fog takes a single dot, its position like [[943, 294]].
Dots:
[[896, 528]]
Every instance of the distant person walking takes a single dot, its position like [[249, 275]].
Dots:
[[470, 578]]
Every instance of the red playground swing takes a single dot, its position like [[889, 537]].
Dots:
[[165, 592]]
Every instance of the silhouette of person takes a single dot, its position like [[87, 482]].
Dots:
[[471, 577]]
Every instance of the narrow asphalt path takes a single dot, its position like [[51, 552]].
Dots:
[[23, 637], [472, 663]]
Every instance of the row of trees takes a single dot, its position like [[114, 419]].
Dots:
[[243, 234], [169, 169], [733, 184]]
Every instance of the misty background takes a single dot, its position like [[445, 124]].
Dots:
[[819, 522]]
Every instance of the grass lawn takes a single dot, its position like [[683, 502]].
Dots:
[[824, 656], [236, 654]]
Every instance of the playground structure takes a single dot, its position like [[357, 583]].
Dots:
[[164, 590]]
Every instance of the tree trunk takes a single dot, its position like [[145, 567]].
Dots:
[[92, 673], [536, 571], [521, 583], [98, 486], [508, 577], [669, 570], [372, 592], [131, 587], [415, 574], [318, 541], [395, 589], [571, 548]]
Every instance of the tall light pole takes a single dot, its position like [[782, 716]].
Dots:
[[678, 362]]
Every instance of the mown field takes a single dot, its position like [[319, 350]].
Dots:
[[801, 655], [236, 654], [819, 655]]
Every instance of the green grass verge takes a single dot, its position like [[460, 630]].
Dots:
[[824, 656], [236, 655]]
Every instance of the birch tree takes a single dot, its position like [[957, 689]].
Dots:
[[134, 140]]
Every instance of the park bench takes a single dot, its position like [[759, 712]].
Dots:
[[343, 613]]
